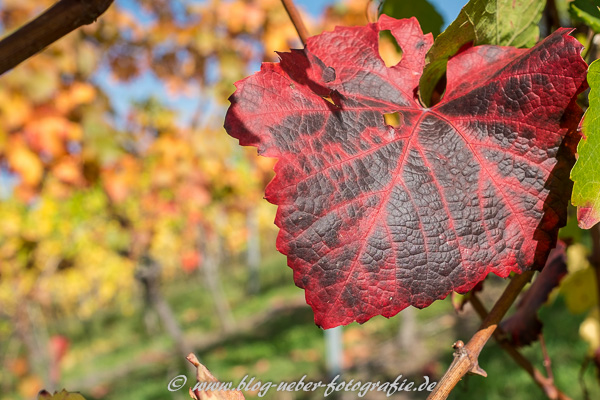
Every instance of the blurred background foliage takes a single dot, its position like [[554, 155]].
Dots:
[[133, 230]]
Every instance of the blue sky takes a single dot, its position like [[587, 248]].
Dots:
[[122, 94], [448, 9]]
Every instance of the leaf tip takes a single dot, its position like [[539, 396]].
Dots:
[[587, 217]]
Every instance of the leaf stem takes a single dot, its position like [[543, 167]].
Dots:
[[547, 361], [545, 383], [466, 357], [296, 20], [587, 50], [62, 18], [552, 16]]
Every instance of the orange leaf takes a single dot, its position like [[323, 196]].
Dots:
[[68, 170], [77, 94], [26, 164]]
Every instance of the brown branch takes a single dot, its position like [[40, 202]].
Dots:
[[545, 383], [296, 20], [57, 21], [465, 357], [547, 361]]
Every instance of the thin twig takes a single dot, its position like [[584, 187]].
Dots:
[[582, 370], [545, 383], [296, 20], [547, 361], [465, 358], [587, 50], [552, 16], [57, 21]]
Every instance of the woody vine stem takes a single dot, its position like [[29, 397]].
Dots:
[[62, 18], [546, 383], [466, 356]]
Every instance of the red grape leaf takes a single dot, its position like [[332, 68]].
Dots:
[[374, 218]]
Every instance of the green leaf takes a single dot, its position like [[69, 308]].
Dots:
[[429, 18], [586, 172], [498, 22], [586, 11]]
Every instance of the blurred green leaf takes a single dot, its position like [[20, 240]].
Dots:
[[571, 232], [429, 18], [497, 22], [586, 11], [585, 173]]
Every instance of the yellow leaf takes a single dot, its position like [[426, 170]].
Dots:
[[577, 257], [590, 330], [79, 93], [29, 386], [15, 110], [579, 290]]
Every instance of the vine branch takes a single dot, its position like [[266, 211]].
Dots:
[[466, 356], [547, 361], [62, 18], [545, 383], [296, 20]]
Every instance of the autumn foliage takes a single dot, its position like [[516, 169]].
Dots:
[[376, 217], [397, 183]]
